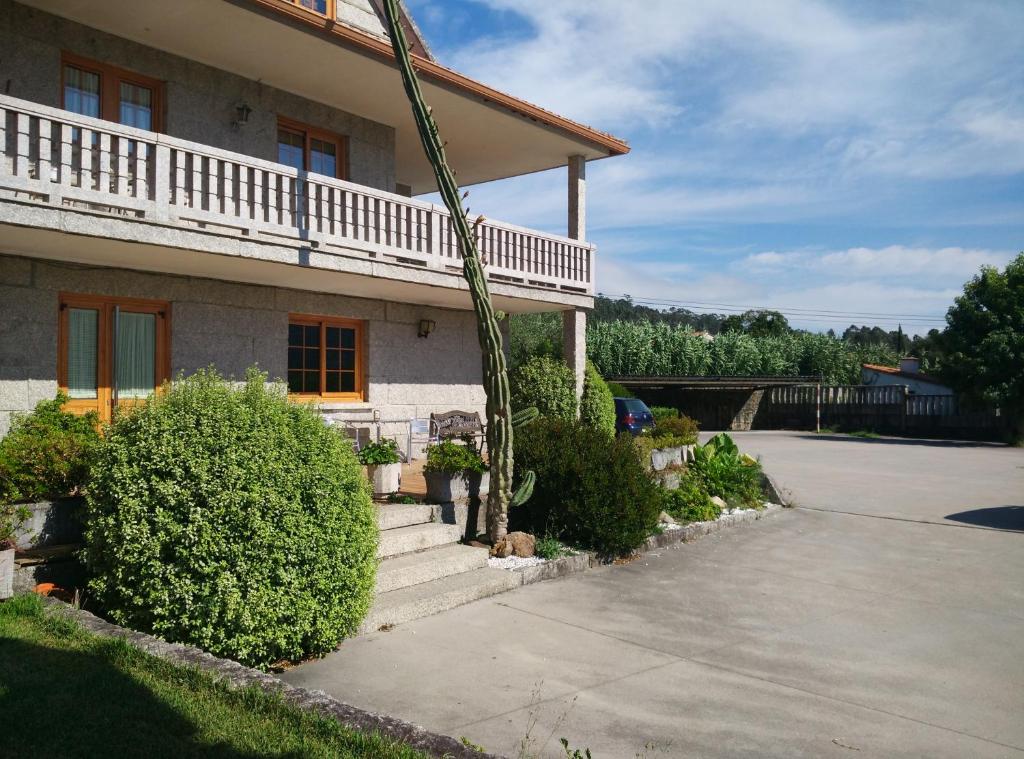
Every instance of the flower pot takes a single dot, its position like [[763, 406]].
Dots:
[[386, 478], [456, 487], [6, 573]]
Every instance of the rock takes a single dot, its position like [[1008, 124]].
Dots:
[[502, 549], [719, 502], [523, 544], [666, 518]]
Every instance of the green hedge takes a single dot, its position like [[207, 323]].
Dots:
[[591, 490], [47, 453], [231, 519], [546, 383], [597, 406]]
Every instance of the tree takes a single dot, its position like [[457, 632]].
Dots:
[[984, 341], [758, 323]]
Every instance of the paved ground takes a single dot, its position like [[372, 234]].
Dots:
[[882, 618]]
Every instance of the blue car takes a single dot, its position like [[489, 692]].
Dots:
[[632, 416]]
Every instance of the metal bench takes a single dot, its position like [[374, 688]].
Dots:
[[456, 424]]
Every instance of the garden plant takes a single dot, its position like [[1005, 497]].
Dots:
[[591, 490], [47, 453], [231, 519]]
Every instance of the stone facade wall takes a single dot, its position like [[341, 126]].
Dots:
[[201, 100], [234, 326]]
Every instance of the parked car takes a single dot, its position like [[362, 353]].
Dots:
[[632, 416]]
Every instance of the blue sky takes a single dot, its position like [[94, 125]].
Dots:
[[831, 157]]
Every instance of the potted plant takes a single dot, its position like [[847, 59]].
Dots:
[[383, 465], [454, 473], [11, 518]]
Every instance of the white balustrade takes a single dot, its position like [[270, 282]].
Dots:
[[57, 157]]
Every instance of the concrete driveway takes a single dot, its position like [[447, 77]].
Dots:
[[883, 617]]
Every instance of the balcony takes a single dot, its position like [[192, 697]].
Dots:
[[192, 199]]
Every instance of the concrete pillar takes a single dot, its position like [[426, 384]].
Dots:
[[574, 344], [577, 197]]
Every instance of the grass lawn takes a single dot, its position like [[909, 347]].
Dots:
[[67, 693]]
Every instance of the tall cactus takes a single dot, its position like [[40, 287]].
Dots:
[[495, 371]]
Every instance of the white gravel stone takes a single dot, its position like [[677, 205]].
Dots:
[[512, 563]]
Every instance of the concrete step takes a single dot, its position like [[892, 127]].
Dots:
[[416, 537], [393, 515], [425, 566], [415, 601]]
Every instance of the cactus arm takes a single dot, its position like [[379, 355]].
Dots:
[[525, 490], [495, 371], [524, 416]]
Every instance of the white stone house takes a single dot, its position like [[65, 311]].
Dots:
[[908, 374], [234, 182]]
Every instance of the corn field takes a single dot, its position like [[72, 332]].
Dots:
[[643, 348]]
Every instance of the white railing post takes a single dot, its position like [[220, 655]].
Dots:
[[162, 178]]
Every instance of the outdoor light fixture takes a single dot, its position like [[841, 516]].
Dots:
[[426, 327], [244, 111]]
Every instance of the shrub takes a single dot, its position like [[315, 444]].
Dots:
[[661, 413], [231, 519], [549, 548], [618, 391], [11, 519], [383, 452], [546, 383], [591, 491], [724, 472], [676, 431], [452, 458], [597, 406], [691, 502], [47, 453]]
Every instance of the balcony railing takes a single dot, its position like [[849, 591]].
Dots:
[[59, 158]]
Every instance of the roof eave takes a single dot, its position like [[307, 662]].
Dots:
[[369, 44]]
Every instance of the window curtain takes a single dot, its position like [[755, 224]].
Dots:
[[82, 339], [136, 355]]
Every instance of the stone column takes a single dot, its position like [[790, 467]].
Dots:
[[574, 344], [577, 197]]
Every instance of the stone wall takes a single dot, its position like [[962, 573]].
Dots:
[[201, 100], [234, 326]]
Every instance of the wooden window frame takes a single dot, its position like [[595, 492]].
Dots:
[[103, 403], [330, 4], [313, 320], [111, 78], [308, 133]]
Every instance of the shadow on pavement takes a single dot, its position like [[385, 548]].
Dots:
[[996, 517], [911, 441]]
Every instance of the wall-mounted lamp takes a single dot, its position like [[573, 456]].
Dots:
[[426, 327], [243, 112]]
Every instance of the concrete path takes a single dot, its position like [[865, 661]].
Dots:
[[882, 618]]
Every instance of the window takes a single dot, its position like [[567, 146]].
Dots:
[[313, 150], [105, 92], [323, 7], [325, 357], [113, 351]]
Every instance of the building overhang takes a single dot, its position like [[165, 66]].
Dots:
[[490, 135], [85, 239]]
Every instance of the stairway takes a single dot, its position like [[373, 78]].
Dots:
[[424, 569]]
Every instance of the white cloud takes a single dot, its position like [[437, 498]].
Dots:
[[897, 261], [925, 91], [843, 287]]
